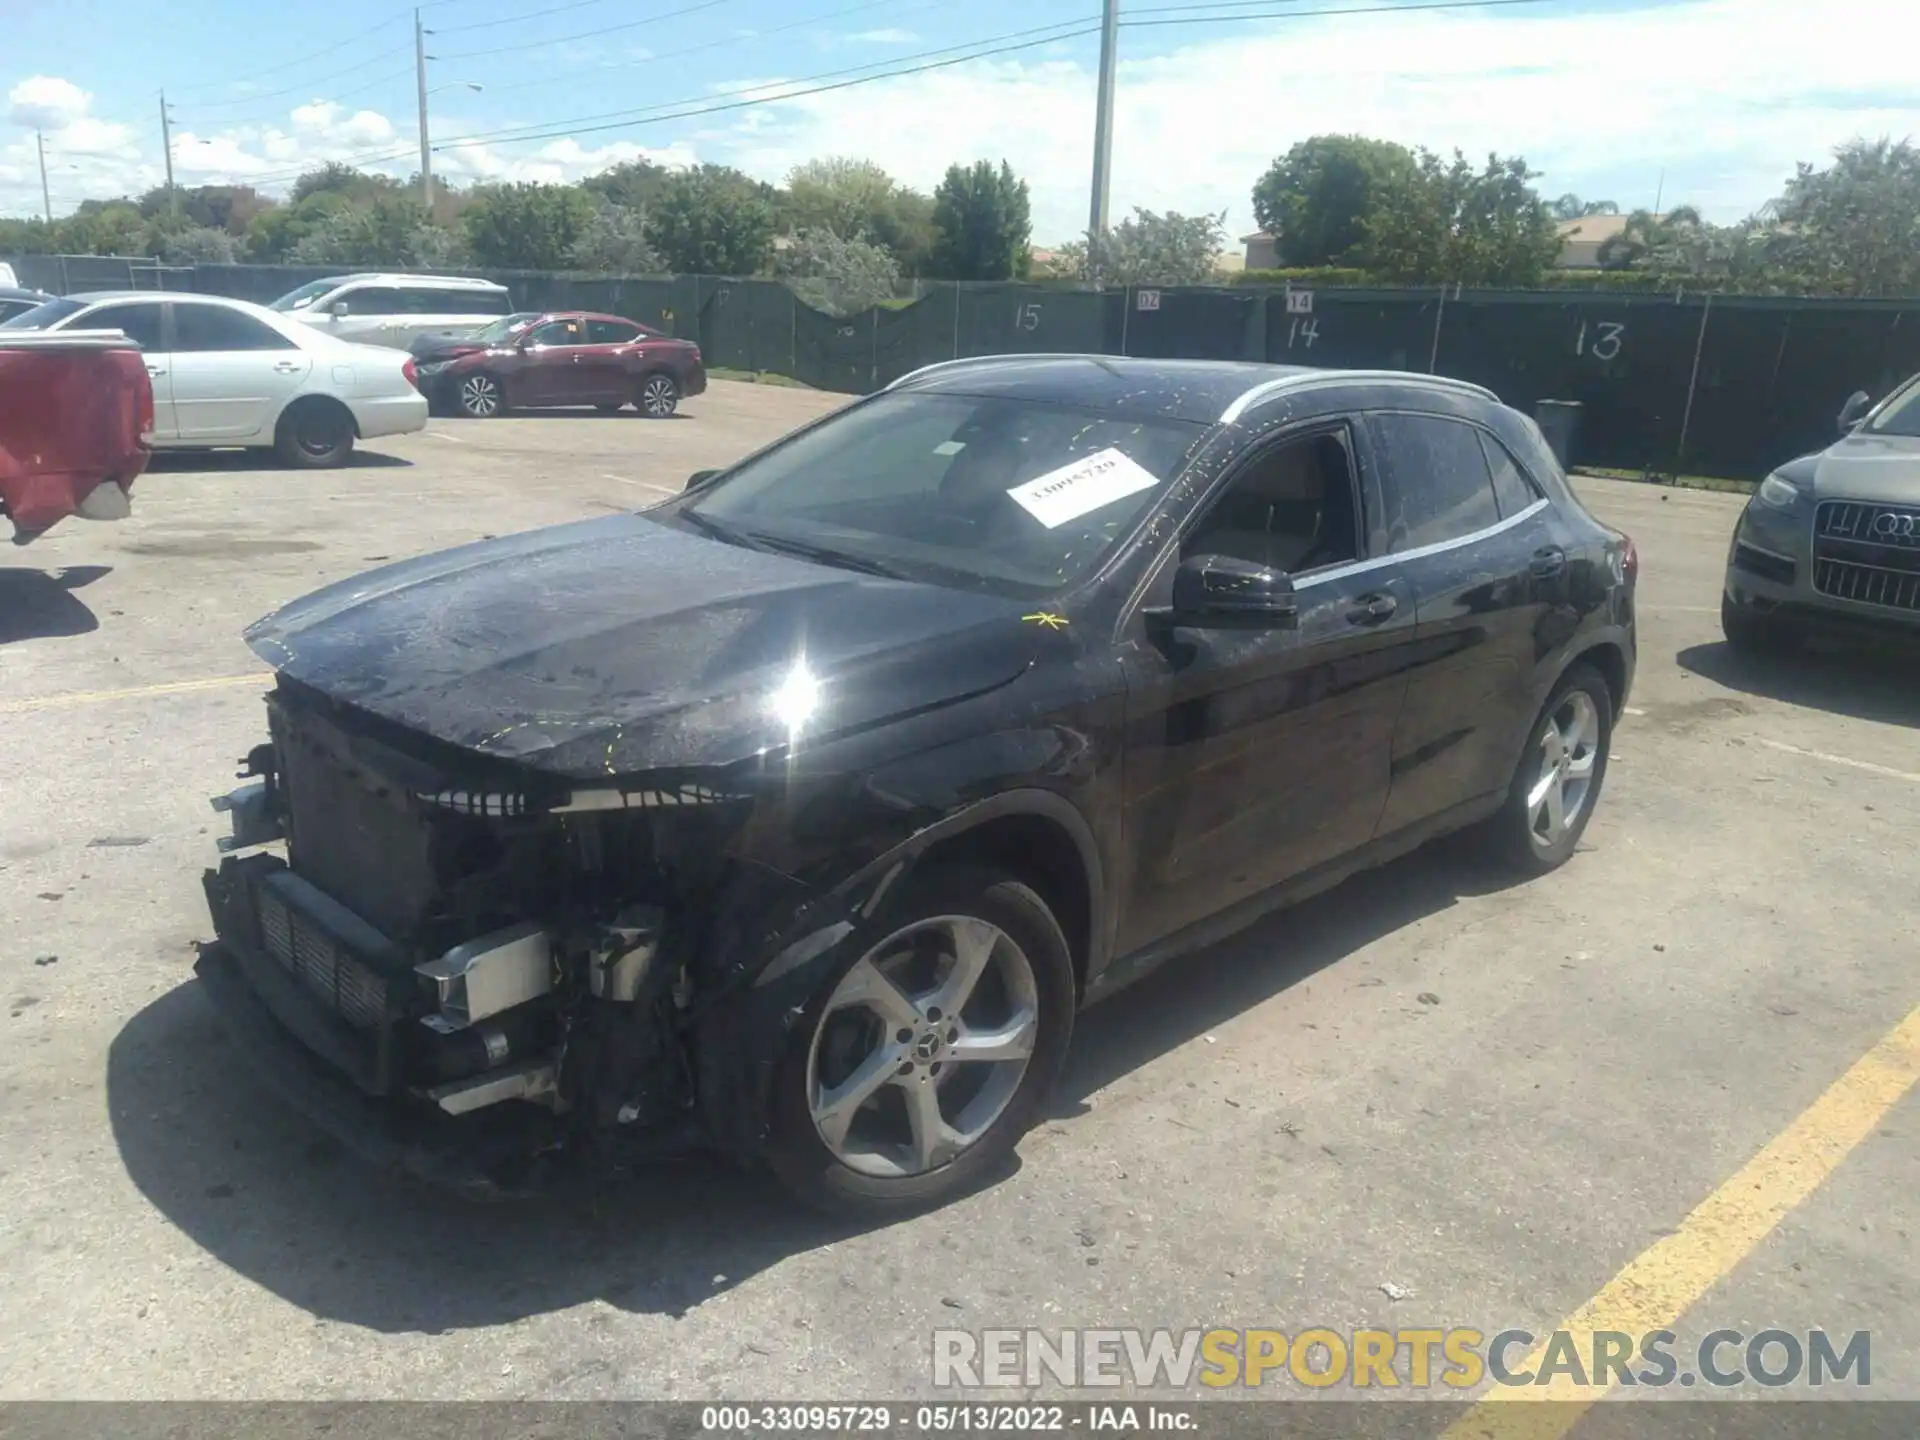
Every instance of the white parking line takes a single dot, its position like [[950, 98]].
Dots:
[[442, 435], [1680, 609], [1866, 765]]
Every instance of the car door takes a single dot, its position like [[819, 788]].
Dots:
[[144, 323], [1487, 559], [365, 314], [1255, 755], [545, 375], [232, 373], [600, 365]]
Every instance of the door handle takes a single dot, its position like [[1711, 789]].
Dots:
[[1548, 561], [285, 367], [1372, 609]]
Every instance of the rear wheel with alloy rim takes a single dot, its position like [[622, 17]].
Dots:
[[925, 1054], [659, 396], [1557, 782], [481, 397]]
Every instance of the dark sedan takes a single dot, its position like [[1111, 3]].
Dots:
[[535, 359], [17, 302], [799, 815]]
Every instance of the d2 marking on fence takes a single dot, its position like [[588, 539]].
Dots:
[[1146, 300]]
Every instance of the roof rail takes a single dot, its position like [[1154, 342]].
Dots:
[[989, 360], [1316, 378]]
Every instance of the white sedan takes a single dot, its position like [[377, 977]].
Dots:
[[227, 373]]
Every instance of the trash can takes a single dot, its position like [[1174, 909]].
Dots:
[[1559, 422]]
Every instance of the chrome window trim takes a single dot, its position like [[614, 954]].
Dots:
[[1419, 552]]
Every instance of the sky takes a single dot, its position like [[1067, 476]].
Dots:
[[1706, 102]]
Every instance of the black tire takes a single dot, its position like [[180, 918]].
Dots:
[[1515, 830], [314, 434], [480, 396], [1754, 635], [657, 396], [797, 1153]]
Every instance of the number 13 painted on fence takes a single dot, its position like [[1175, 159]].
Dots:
[[1607, 341]]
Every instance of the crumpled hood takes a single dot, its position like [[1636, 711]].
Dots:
[[617, 645], [438, 347], [1884, 468]]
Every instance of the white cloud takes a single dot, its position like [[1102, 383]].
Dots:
[[890, 35], [46, 102], [1598, 101]]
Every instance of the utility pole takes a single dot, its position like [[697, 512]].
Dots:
[[46, 200], [1103, 131], [420, 82], [166, 143]]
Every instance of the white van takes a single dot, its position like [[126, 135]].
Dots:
[[396, 310]]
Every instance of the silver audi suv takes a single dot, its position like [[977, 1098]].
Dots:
[[1832, 540]]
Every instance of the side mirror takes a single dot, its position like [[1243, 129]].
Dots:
[[1216, 591], [1857, 405], [700, 477], [337, 309]]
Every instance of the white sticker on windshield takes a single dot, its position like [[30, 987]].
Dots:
[[1082, 487], [949, 447]]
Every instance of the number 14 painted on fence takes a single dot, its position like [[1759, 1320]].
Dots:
[[1305, 328]]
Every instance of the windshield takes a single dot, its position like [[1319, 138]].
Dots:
[[301, 298], [1899, 412], [41, 316], [506, 327], [1013, 496]]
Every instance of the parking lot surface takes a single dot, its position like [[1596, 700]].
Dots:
[[1484, 1098]]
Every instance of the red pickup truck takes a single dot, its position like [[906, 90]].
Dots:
[[76, 426]]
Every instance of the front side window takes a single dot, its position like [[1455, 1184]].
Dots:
[[139, 322], [371, 300], [1290, 510], [559, 332], [214, 327], [303, 296], [1015, 497], [506, 327], [1899, 412], [1438, 485]]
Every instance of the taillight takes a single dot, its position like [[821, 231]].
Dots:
[[1629, 560], [145, 412], [411, 371]]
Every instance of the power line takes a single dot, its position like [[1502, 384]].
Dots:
[[516, 19], [1177, 19], [658, 56], [305, 87], [586, 34], [303, 59]]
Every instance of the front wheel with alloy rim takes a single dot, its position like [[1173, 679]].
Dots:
[[480, 396], [659, 396], [927, 1050], [1557, 782]]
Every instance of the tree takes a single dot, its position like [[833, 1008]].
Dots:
[[1447, 221], [197, 245], [1651, 241], [215, 207], [1150, 249], [1854, 227], [857, 200], [1572, 207], [1314, 199], [333, 178], [837, 274], [525, 226], [633, 184], [614, 242], [114, 227], [982, 222], [383, 232], [712, 220]]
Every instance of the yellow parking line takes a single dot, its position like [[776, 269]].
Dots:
[[136, 692], [1668, 1277]]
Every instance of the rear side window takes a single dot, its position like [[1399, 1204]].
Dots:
[[1510, 484], [214, 327], [611, 332], [1438, 484], [140, 323], [473, 302]]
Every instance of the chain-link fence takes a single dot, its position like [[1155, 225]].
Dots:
[[1720, 385]]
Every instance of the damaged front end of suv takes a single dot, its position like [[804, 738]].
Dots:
[[493, 904]]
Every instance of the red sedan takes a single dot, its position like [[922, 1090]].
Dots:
[[558, 357]]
